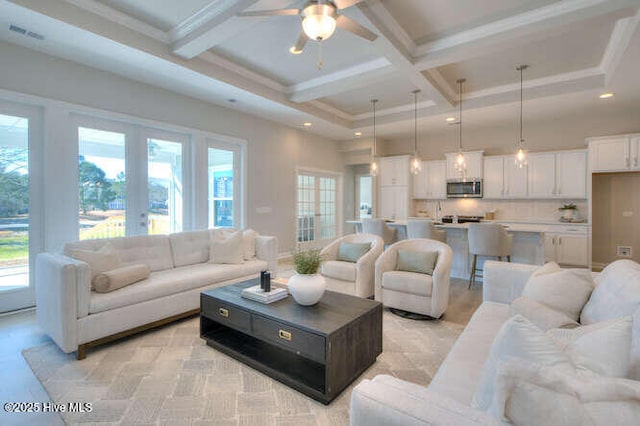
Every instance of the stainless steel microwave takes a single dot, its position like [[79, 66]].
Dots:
[[464, 188]]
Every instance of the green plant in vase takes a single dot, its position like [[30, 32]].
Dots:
[[307, 286]]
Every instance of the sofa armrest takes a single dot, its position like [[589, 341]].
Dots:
[[267, 249], [503, 282], [63, 287], [386, 400]]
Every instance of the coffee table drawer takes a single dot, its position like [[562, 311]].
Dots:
[[302, 342], [225, 314]]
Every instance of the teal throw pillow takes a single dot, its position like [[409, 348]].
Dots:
[[351, 252], [423, 262]]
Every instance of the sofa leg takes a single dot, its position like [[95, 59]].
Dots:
[[81, 353]]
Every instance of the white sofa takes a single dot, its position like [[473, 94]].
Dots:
[[386, 400], [76, 317]]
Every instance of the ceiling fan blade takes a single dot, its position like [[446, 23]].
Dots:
[[343, 4], [355, 28], [302, 41], [276, 12]]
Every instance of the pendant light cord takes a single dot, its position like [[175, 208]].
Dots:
[[415, 122], [521, 69], [460, 81], [374, 101]]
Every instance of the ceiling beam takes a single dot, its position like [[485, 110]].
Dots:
[[499, 34], [618, 44], [206, 28], [351, 78], [396, 46]]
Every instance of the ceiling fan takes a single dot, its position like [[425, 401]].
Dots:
[[319, 21]]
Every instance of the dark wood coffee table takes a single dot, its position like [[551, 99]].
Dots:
[[318, 350]]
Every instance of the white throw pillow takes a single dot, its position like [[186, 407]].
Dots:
[[117, 278], [565, 290], [530, 394], [617, 293], [99, 261], [604, 347], [249, 244], [542, 316], [226, 248], [518, 338]]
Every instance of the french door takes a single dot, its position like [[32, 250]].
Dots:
[[20, 203], [317, 207], [224, 170], [130, 180]]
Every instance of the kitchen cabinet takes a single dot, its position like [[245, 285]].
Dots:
[[567, 246], [615, 154], [394, 171], [558, 174], [503, 179], [393, 202], [474, 161], [493, 177], [431, 182]]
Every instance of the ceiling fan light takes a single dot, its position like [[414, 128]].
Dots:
[[319, 21]]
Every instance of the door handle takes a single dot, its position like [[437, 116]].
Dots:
[[628, 162], [559, 241]]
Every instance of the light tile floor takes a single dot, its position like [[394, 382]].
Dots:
[[20, 331]]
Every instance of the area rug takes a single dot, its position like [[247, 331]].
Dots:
[[171, 377]]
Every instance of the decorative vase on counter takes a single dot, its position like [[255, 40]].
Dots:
[[307, 289]]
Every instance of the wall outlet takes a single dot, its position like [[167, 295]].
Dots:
[[624, 251]]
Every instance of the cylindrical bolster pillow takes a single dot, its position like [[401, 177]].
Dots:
[[121, 277]]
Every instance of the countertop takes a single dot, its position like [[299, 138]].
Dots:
[[532, 226]]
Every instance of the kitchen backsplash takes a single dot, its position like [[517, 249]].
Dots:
[[504, 209]]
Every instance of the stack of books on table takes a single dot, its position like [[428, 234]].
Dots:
[[259, 295]]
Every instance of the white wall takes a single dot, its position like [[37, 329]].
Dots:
[[274, 151]]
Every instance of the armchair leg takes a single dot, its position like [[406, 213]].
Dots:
[[472, 277], [81, 353], [509, 258]]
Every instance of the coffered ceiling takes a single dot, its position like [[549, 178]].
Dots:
[[204, 49]]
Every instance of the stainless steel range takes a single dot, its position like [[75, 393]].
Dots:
[[461, 219]]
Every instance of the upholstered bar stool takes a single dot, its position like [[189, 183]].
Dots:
[[379, 227], [490, 240], [424, 228]]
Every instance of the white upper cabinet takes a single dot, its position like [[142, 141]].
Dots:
[[571, 174], [420, 183], [394, 203], [613, 154], [437, 179], [542, 175], [431, 182], [394, 171], [493, 177], [558, 175], [515, 179], [473, 160]]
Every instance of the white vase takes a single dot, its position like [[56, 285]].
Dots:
[[307, 289], [567, 214]]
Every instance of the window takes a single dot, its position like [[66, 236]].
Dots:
[[223, 180], [165, 189]]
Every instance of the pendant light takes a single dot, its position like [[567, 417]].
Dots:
[[373, 170], [461, 162], [415, 164], [521, 154]]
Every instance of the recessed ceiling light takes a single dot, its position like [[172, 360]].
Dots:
[[451, 119], [606, 95], [358, 133], [307, 124], [293, 50]]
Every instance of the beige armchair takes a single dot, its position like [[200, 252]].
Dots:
[[414, 292], [349, 277], [424, 228], [380, 228]]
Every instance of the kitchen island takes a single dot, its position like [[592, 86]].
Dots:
[[534, 242]]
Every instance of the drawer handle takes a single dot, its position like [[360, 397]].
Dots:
[[223, 312], [284, 335]]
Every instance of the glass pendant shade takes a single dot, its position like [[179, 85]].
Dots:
[[521, 158], [319, 21], [461, 163], [415, 165], [373, 168]]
